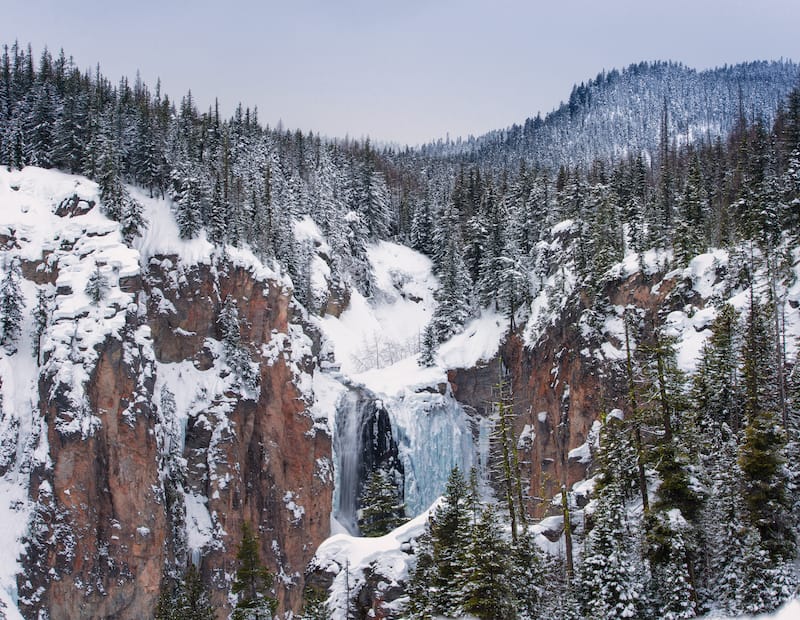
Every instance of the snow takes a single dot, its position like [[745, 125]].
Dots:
[[788, 611], [199, 528], [582, 454], [348, 558], [161, 236], [479, 342], [376, 333], [375, 343]]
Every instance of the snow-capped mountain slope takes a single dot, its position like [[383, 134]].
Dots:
[[621, 113]]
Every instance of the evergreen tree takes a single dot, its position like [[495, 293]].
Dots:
[[450, 524], [486, 589], [761, 455], [610, 581], [427, 355], [528, 576], [422, 586], [186, 599], [689, 237], [673, 593], [383, 508], [252, 582], [315, 607], [236, 354], [193, 602], [41, 317], [97, 286], [715, 384], [12, 305]]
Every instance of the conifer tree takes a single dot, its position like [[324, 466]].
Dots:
[[12, 305], [450, 524], [252, 582], [528, 576], [315, 607], [486, 589], [422, 586], [97, 285], [761, 455], [610, 581], [715, 384], [427, 355], [193, 602], [236, 354], [41, 316], [184, 599], [383, 508], [673, 594]]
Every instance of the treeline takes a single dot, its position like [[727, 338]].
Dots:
[[241, 182], [619, 112], [493, 241]]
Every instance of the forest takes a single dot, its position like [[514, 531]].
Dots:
[[698, 483]]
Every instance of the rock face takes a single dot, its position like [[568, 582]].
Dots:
[[153, 477], [561, 385]]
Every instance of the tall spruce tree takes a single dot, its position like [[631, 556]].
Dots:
[[252, 582], [12, 304]]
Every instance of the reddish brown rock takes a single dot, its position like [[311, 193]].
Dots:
[[105, 527]]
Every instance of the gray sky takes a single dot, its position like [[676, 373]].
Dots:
[[405, 71]]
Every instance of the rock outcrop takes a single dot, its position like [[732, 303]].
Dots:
[[129, 496]]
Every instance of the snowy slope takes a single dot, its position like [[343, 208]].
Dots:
[[376, 344]]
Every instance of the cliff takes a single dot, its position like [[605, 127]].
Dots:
[[149, 448]]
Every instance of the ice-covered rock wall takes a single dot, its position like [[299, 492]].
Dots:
[[433, 436]]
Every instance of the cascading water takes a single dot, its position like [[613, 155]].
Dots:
[[352, 413], [421, 436]]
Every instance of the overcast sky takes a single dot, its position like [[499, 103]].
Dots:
[[404, 71]]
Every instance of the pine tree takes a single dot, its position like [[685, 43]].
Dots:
[[715, 384], [41, 317], [383, 508], [12, 305], [97, 286], [673, 592], [315, 607], [193, 602], [486, 589], [609, 579], [450, 525], [186, 599], [252, 582], [690, 224], [427, 355], [761, 455], [528, 576], [422, 586], [236, 354]]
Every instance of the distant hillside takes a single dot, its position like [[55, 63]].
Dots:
[[621, 112]]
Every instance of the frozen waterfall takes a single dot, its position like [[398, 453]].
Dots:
[[433, 436], [430, 434], [352, 413]]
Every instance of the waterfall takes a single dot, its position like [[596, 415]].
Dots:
[[354, 411], [420, 436]]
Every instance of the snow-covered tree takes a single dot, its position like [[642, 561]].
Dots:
[[252, 582], [382, 506], [12, 304], [610, 579], [97, 285]]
